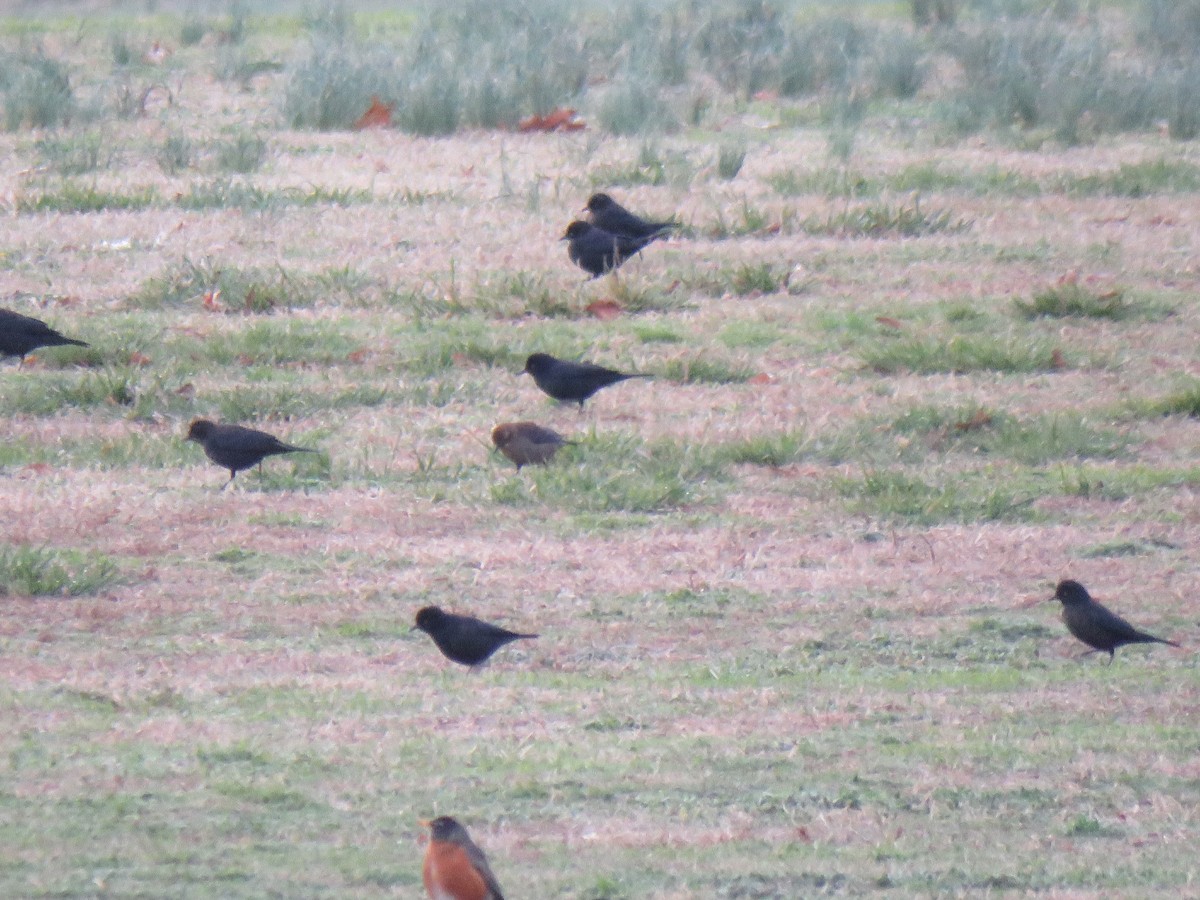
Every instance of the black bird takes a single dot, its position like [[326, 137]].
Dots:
[[235, 448], [571, 381], [19, 334], [464, 639], [610, 215], [596, 250], [1095, 625], [527, 443]]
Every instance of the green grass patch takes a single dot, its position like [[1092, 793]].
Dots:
[[28, 571], [209, 284], [905, 497], [962, 354], [886, 220], [72, 197], [1069, 299]]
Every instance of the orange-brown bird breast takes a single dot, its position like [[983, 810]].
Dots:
[[449, 874]]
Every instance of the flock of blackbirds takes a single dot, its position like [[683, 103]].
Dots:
[[454, 867]]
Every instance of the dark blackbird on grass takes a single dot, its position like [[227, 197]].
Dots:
[[20, 334], [464, 639], [526, 443], [597, 251], [571, 382], [235, 448], [610, 215], [1095, 625]]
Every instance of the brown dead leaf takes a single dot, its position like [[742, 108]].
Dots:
[[139, 359], [562, 119], [378, 115], [761, 378], [245, 359], [1057, 360], [460, 359], [981, 419], [186, 391], [605, 309], [889, 322], [357, 356], [212, 301], [37, 468]]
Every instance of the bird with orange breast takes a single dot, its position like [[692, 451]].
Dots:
[[455, 868]]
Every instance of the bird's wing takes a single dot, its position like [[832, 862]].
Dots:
[[539, 435], [479, 861], [1114, 624]]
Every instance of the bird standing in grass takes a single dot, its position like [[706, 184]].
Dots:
[[235, 448], [597, 251], [608, 214], [20, 334], [527, 443], [455, 868], [1094, 624], [571, 381], [464, 639]]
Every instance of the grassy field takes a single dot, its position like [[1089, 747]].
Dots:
[[906, 378]]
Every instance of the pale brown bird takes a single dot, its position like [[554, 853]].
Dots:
[[527, 443]]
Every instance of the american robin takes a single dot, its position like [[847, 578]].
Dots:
[[455, 868], [597, 251], [235, 448], [526, 443], [1095, 625], [571, 381], [464, 639], [19, 334], [610, 215]]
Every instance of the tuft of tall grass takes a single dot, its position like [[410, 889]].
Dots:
[[35, 90], [27, 571]]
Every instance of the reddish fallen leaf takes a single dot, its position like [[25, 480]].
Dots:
[[38, 468], [766, 95], [773, 228], [186, 391], [460, 359], [378, 115], [467, 171], [981, 419], [1057, 360], [212, 301], [245, 359], [605, 309], [761, 378], [139, 359], [889, 322], [672, 287], [1071, 277], [803, 835], [562, 119], [357, 356]]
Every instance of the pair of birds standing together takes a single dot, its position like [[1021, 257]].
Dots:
[[613, 235]]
